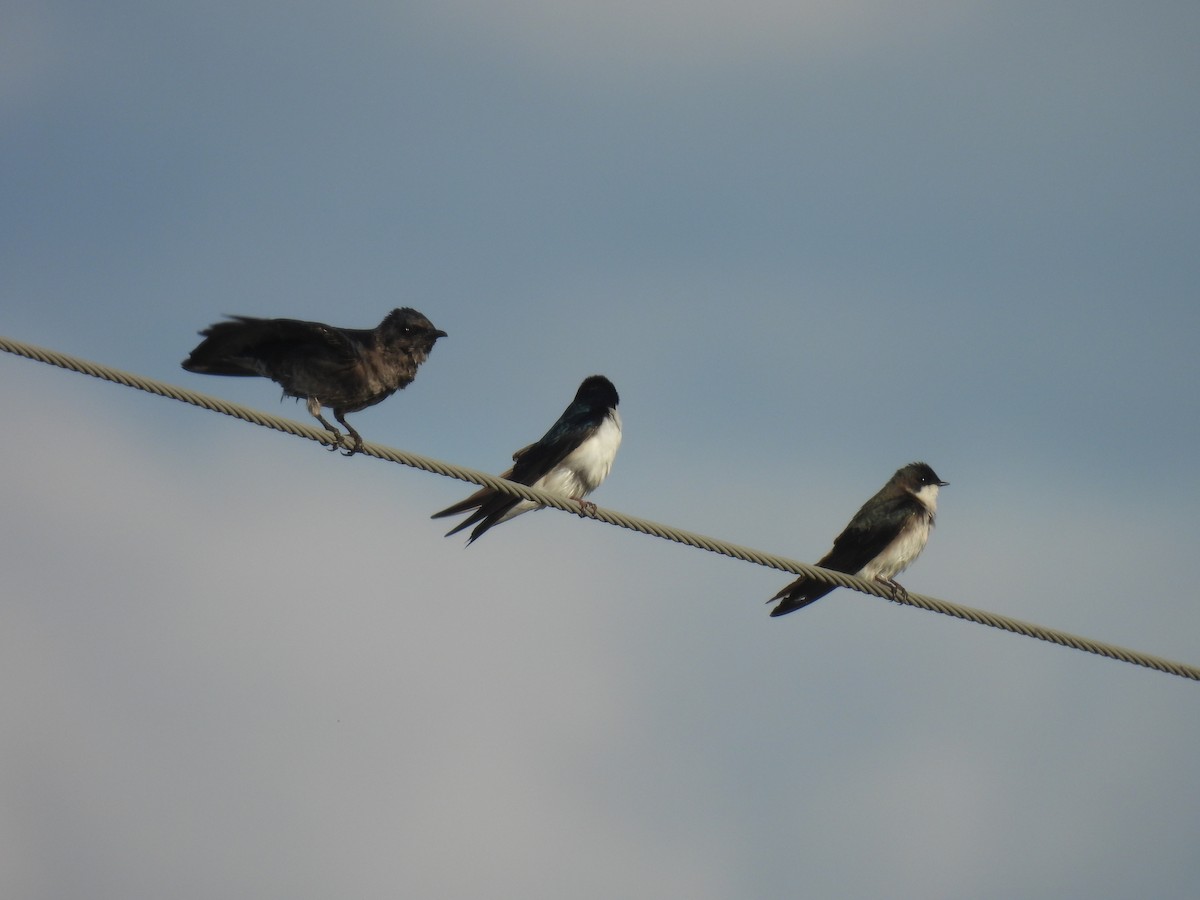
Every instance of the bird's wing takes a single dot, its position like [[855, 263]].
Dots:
[[235, 346], [867, 536], [577, 423], [859, 543], [530, 463], [287, 339]]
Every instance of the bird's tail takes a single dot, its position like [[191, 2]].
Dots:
[[472, 502], [476, 500], [229, 347], [799, 594]]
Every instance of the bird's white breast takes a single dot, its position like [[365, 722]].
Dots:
[[908, 544], [586, 467], [901, 552]]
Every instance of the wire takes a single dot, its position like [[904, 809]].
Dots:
[[644, 526]]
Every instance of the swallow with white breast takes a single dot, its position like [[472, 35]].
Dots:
[[881, 541], [571, 459]]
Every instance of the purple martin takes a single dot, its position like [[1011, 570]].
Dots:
[[881, 541], [571, 459], [343, 369]]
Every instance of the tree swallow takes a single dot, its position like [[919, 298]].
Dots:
[[343, 369], [881, 541], [571, 459]]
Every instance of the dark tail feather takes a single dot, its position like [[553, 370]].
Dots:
[[486, 502], [483, 503], [215, 367], [491, 511], [476, 499], [799, 594], [477, 502], [466, 523], [228, 347]]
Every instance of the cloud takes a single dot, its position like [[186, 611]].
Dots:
[[249, 665], [225, 646]]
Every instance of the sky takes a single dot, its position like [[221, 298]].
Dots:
[[808, 242]]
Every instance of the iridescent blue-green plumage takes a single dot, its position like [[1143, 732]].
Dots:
[[571, 459]]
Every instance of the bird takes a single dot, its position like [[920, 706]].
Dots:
[[343, 369], [571, 459], [881, 541]]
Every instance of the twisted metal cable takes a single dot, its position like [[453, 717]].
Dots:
[[644, 526]]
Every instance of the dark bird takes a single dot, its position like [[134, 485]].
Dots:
[[343, 369], [571, 459], [881, 541]]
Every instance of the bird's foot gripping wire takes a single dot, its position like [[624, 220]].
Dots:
[[335, 437], [354, 441], [895, 588]]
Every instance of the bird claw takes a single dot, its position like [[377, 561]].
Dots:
[[354, 442], [586, 507], [896, 589]]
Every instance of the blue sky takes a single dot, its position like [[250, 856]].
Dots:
[[809, 243]]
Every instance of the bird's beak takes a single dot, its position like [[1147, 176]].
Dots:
[[438, 333], [943, 483]]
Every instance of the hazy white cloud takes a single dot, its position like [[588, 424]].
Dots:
[[230, 654], [249, 665]]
